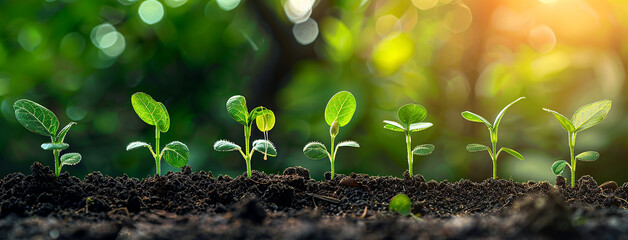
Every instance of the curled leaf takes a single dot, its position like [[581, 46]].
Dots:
[[423, 150], [348, 144], [559, 166], [511, 152], [564, 122], [265, 147], [395, 126], [71, 158], [476, 118], [315, 150], [225, 146]]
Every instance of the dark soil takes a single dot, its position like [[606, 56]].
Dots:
[[197, 205]]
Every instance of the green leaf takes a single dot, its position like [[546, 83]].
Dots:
[[395, 126], [588, 156], [71, 158], [411, 113], [265, 147], [55, 146], [265, 120], [415, 127], [474, 147], [591, 114], [423, 149], [36, 118], [61, 136], [225, 146], [511, 152], [476, 118], [176, 154], [151, 111], [400, 203], [236, 106], [348, 144], [135, 145], [499, 117], [559, 166], [564, 122], [315, 150], [341, 108]]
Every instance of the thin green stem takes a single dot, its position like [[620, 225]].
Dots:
[[247, 137], [494, 153], [57, 152], [409, 147], [157, 152], [333, 156], [572, 144]]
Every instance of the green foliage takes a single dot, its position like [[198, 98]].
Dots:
[[585, 117], [38, 119], [410, 116], [493, 130], [155, 113], [338, 113], [265, 121]]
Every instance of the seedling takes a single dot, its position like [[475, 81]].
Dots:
[[38, 119], [338, 113], [401, 203], [492, 129], [411, 116], [587, 116], [155, 113], [265, 121]]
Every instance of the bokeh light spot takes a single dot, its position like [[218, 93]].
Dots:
[[108, 39], [99, 32], [127, 2], [76, 113], [228, 5], [305, 32], [151, 11], [387, 24], [72, 45], [425, 4], [117, 47], [298, 10], [392, 52], [29, 38], [458, 19], [175, 3], [542, 38]]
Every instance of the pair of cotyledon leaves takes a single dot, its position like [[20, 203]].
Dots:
[[340, 109], [39, 119], [155, 113], [263, 117], [493, 128], [585, 117], [411, 117]]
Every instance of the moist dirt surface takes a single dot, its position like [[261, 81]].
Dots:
[[198, 205]]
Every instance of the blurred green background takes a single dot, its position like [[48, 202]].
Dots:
[[84, 60]]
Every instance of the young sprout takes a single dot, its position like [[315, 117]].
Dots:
[[492, 129], [38, 119], [411, 116], [401, 203], [155, 113], [338, 113], [587, 116], [265, 121]]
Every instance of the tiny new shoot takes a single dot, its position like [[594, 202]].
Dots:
[[338, 113], [410, 116], [38, 119], [587, 116], [402, 204], [155, 113], [492, 129], [265, 121]]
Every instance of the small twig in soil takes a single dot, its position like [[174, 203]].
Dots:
[[364, 213], [325, 198], [117, 209]]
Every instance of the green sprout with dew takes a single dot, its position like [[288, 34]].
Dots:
[[410, 116], [402, 204], [493, 129], [155, 113], [587, 116], [265, 121], [38, 119], [338, 113]]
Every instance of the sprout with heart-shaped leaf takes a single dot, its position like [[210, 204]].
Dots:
[[411, 117], [265, 121], [492, 129], [38, 119], [338, 113], [155, 113], [587, 116]]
